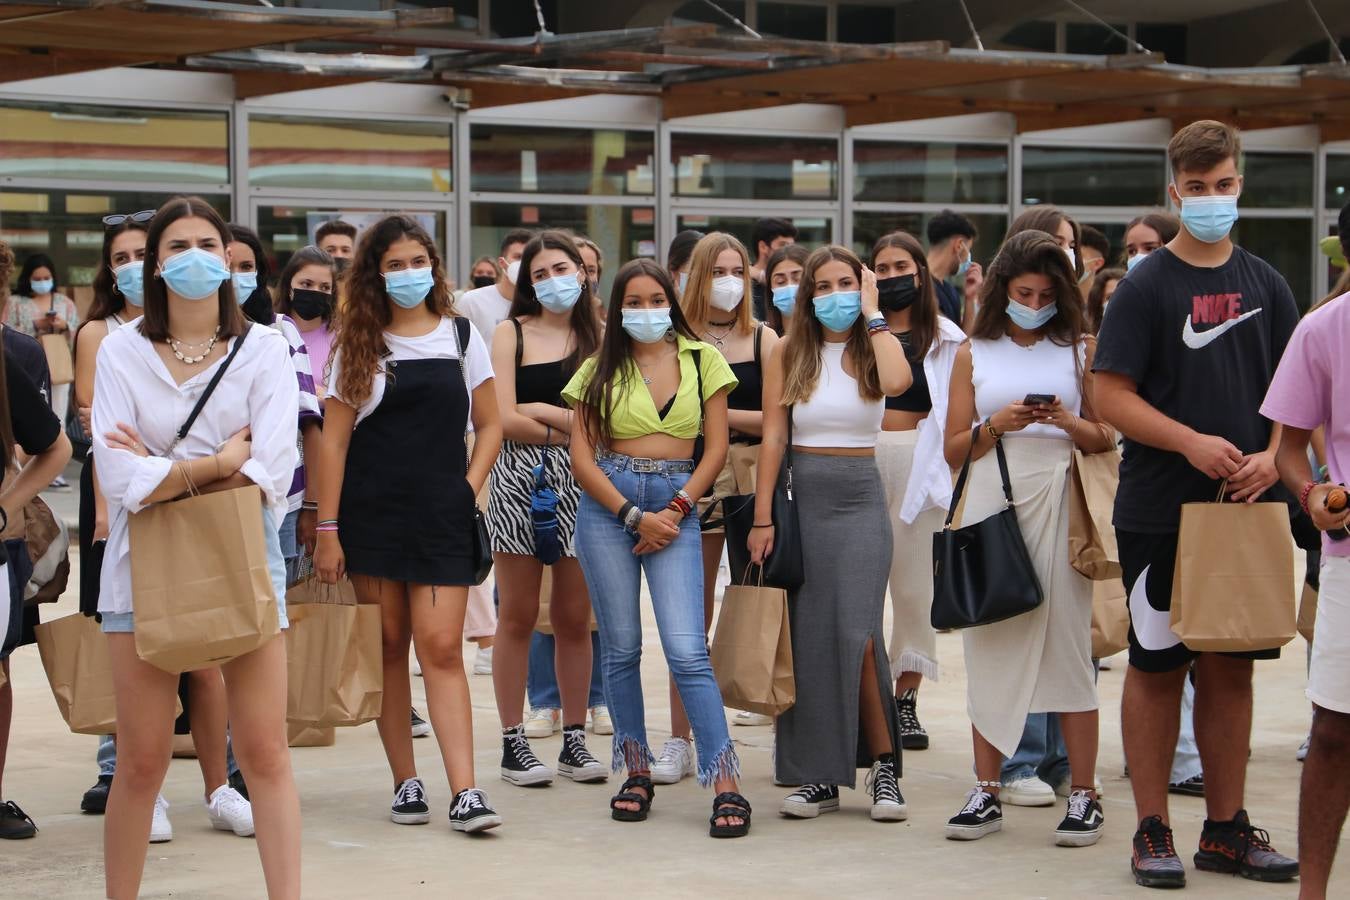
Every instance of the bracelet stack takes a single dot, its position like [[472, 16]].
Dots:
[[309, 505], [629, 516], [877, 325], [681, 503], [327, 525]]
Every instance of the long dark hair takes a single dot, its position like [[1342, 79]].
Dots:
[[30, 265], [1047, 217], [798, 253], [305, 256], [613, 375], [1096, 301], [6, 426], [923, 323], [1025, 253], [258, 306], [585, 327], [108, 299], [155, 322]]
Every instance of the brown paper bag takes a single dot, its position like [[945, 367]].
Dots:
[[308, 736], [1110, 618], [59, 360], [1093, 479], [752, 650], [1307, 612], [334, 656], [201, 589], [1232, 590]]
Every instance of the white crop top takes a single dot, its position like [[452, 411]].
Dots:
[[836, 415], [1005, 372]]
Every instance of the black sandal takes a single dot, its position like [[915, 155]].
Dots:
[[626, 795], [728, 806]]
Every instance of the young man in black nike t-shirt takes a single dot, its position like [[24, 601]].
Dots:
[[1188, 347]]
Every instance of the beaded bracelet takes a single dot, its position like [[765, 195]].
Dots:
[[1303, 495]]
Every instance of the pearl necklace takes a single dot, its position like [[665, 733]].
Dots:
[[175, 344]]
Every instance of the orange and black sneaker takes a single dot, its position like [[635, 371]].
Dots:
[[1238, 848], [1155, 862]]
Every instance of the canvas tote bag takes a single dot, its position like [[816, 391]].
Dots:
[[334, 656], [752, 649]]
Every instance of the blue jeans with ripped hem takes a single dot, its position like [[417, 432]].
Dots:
[[675, 579]]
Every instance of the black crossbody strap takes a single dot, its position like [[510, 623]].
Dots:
[[698, 373], [960, 487], [210, 389]]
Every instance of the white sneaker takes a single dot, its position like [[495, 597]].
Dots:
[[675, 762], [161, 832], [482, 661], [1105, 664], [601, 723], [1065, 788], [1302, 752], [229, 811], [750, 718], [1027, 791], [543, 722]]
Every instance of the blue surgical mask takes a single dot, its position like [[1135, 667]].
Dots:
[[409, 287], [682, 282], [194, 274], [1134, 261], [42, 287], [785, 298], [245, 283], [1028, 318], [647, 326], [1209, 219], [131, 281], [838, 311], [558, 294]]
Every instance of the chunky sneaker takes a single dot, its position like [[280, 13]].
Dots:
[[601, 723], [1191, 787], [230, 812], [1027, 791], [161, 830], [95, 799], [1082, 825], [482, 661], [470, 812], [1155, 862], [744, 717], [675, 762], [982, 814], [888, 804], [912, 735], [575, 761], [543, 722], [410, 804], [519, 764], [810, 800], [1237, 847], [420, 726]]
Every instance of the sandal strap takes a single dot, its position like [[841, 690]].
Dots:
[[730, 800], [642, 781]]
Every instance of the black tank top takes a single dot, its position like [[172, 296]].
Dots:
[[538, 382], [916, 399], [749, 390]]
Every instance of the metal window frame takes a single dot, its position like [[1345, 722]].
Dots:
[[559, 125], [851, 140]]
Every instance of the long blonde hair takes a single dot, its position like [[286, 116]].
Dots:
[[806, 336], [695, 303]]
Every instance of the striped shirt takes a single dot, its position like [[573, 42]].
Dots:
[[309, 404]]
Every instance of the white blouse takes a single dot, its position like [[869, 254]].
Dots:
[[133, 386]]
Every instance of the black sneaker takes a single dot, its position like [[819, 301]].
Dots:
[[810, 800], [410, 804], [420, 726], [95, 799], [912, 735], [519, 764], [1191, 787], [237, 782], [14, 822], [1082, 825], [981, 815], [888, 804], [470, 812], [1238, 848], [575, 761], [1155, 862]]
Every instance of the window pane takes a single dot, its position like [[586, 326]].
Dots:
[[930, 173], [869, 226], [350, 154], [859, 24], [1287, 244], [116, 143], [1094, 39], [699, 11], [1277, 179], [561, 160], [623, 232], [1169, 39], [755, 168], [811, 230], [1034, 35], [792, 20], [285, 229], [1085, 176], [1338, 182]]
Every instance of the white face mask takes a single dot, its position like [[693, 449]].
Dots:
[[727, 292], [513, 271]]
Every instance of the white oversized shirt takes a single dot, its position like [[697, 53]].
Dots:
[[133, 386]]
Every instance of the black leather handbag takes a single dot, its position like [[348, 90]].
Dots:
[[982, 572], [482, 538], [783, 568]]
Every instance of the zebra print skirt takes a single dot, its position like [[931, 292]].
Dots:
[[508, 513]]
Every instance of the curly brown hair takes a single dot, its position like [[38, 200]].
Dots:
[[1031, 252]]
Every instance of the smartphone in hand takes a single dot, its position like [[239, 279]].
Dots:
[[1039, 400]]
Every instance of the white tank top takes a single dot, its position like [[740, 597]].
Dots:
[[836, 415], [1005, 372]]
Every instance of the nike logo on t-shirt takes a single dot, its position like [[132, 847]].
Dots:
[[1198, 339]]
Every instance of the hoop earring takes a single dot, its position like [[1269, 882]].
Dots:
[[670, 335]]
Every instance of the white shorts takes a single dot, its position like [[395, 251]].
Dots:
[[1329, 672]]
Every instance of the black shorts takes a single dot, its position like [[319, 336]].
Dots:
[[1153, 557]]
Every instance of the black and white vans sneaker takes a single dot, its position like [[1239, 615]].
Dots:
[[575, 761], [888, 804], [912, 734], [470, 812], [519, 764], [410, 804], [981, 815], [1082, 825], [810, 800]]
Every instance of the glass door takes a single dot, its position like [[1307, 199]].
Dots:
[[813, 228]]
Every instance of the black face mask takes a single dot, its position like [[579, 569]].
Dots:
[[311, 304], [342, 264], [482, 281], [898, 293]]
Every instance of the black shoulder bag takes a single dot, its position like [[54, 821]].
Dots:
[[783, 567], [482, 539], [982, 572]]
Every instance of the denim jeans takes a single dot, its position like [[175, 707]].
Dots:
[[1040, 753], [290, 550], [675, 580], [543, 678], [107, 756]]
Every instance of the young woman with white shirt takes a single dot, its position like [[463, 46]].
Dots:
[[147, 381], [823, 393]]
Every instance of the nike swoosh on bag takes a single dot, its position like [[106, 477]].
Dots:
[[1198, 339]]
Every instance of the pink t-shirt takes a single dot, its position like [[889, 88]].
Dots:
[[1312, 387], [319, 344]]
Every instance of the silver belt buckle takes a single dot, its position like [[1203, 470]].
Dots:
[[643, 464]]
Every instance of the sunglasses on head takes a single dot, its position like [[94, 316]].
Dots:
[[144, 215]]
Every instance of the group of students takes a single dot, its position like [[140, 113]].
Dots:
[[864, 389]]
